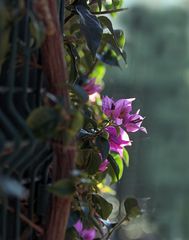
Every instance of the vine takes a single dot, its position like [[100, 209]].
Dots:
[[89, 134]]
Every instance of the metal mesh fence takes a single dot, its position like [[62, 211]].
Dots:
[[22, 156]]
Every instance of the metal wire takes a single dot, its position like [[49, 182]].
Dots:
[[22, 156]]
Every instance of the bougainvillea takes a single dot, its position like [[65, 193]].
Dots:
[[102, 145], [86, 234], [103, 139], [97, 126]]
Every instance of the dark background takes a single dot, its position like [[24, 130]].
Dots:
[[157, 74]]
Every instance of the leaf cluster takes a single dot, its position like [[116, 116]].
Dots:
[[90, 38], [91, 42]]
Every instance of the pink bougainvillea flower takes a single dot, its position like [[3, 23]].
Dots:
[[118, 141], [122, 108], [86, 234], [133, 123], [108, 106], [117, 110], [91, 87], [120, 112], [103, 166]]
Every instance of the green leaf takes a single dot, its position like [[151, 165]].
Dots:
[[89, 160], [111, 40], [95, 223], [74, 27], [126, 157], [120, 37], [102, 207], [83, 96], [105, 135], [119, 161], [103, 146], [62, 188], [132, 208], [98, 73], [114, 165], [106, 23], [71, 234], [73, 63], [99, 4], [120, 165], [116, 39], [89, 123], [43, 122], [94, 162], [108, 5], [109, 57], [90, 27], [116, 2], [76, 122]]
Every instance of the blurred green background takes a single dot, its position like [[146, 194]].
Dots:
[[157, 74]]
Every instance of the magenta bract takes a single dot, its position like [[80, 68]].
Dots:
[[103, 166], [90, 87], [86, 234], [133, 123], [120, 112], [118, 141]]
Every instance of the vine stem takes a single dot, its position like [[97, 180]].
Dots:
[[98, 132], [110, 11], [108, 124], [97, 13], [55, 70], [108, 235]]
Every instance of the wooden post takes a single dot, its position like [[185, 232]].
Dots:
[[54, 67]]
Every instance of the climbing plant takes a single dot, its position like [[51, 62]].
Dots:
[[89, 133]]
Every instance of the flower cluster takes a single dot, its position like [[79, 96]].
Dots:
[[118, 140], [101, 145], [89, 134], [120, 112]]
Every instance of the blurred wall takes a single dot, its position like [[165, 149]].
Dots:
[[157, 75]]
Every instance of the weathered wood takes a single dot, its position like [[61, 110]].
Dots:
[[54, 67]]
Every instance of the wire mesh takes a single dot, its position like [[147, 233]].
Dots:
[[22, 156]]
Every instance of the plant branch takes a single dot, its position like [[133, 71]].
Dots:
[[97, 13], [68, 18], [108, 235], [110, 11]]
